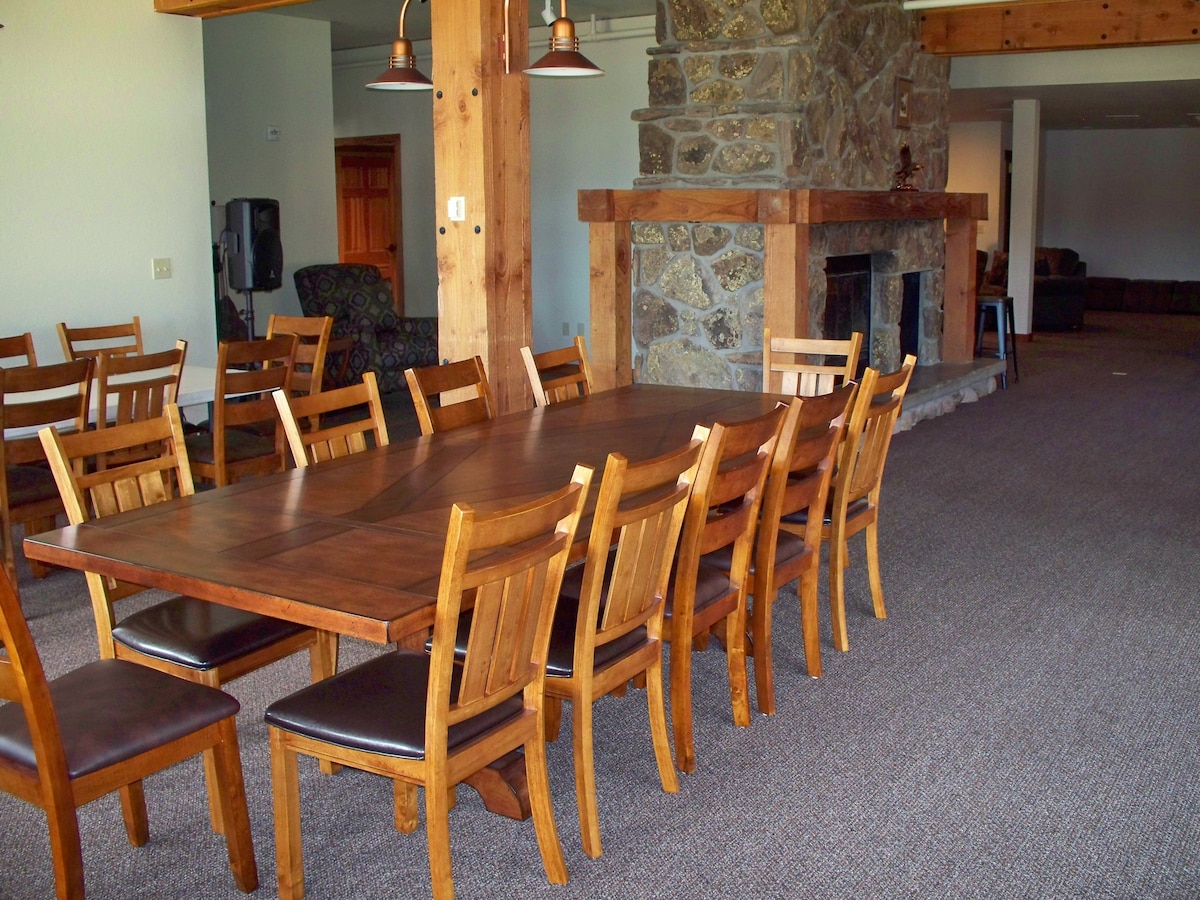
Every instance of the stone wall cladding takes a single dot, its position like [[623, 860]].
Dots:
[[788, 94]]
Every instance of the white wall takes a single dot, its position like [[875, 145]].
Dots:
[[358, 112], [581, 136], [262, 70], [977, 167], [1127, 200], [104, 168]]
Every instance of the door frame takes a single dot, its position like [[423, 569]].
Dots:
[[375, 143]]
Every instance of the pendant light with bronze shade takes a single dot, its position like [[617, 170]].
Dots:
[[564, 59], [401, 73]]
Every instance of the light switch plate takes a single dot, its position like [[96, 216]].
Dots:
[[161, 267]]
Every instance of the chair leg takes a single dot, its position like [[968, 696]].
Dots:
[[405, 803], [37, 526], [872, 537], [437, 831], [735, 660], [585, 775], [808, 590], [322, 661], [553, 714], [232, 793], [285, 790], [66, 852], [658, 726], [760, 636], [681, 702], [542, 808], [838, 560], [133, 812], [1012, 332]]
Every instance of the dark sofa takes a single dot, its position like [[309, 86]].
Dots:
[[360, 302], [1059, 287], [1144, 295]]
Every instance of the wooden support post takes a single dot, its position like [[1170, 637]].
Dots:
[[611, 313], [958, 305], [481, 143], [785, 284]]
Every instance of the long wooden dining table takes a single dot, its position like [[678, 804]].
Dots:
[[354, 546]]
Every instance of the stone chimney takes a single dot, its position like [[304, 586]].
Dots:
[[789, 94]]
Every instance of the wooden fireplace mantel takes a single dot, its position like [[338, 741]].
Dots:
[[787, 217]]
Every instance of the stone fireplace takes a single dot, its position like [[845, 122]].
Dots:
[[793, 96]]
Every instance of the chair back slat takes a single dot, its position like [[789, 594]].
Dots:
[[43, 395], [318, 444], [509, 564], [869, 434], [17, 350], [312, 345], [143, 385], [471, 401], [808, 367], [558, 375], [643, 504], [123, 339]]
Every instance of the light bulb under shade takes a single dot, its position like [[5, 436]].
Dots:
[[401, 73], [400, 79], [564, 64], [564, 59]]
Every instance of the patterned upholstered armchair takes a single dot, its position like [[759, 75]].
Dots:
[[360, 302]]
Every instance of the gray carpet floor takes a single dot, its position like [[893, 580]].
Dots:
[[1024, 724]]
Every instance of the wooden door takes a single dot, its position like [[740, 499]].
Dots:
[[368, 206]]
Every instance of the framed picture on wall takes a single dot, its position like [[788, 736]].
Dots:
[[902, 108]]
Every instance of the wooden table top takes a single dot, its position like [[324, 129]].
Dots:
[[355, 545]]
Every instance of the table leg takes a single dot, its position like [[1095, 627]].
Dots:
[[502, 786]]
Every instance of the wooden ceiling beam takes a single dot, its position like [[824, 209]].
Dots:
[[207, 9], [1046, 25]]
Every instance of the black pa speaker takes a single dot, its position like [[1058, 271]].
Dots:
[[255, 253]]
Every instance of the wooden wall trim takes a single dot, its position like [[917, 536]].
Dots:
[[207, 9], [1058, 25]]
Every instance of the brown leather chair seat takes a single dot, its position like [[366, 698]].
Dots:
[[379, 707], [199, 634], [30, 484], [112, 710], [240, 444]]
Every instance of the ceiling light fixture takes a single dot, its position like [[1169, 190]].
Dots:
[[564, 59], [401, 73]]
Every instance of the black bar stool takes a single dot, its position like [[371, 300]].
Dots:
[[1001, 309]]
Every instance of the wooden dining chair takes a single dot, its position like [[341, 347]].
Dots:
[[136, 387], [337, 438], [30, 397], [17, 350], [798, 480], [102, 728], [857, 483], [557, 375], [192, 639], [247, 373], [312, 347], [608, 624], [704, 597], [466, 376], [790, 365], [120, 340], [445, 721]]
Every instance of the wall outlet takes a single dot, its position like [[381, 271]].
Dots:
[[160, 268], [566, 329], [274, 133], [579, 329], [457, 210]]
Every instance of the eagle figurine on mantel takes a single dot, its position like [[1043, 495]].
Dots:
[[907, 170]]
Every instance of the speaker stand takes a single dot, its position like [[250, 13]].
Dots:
[[248, 313]]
